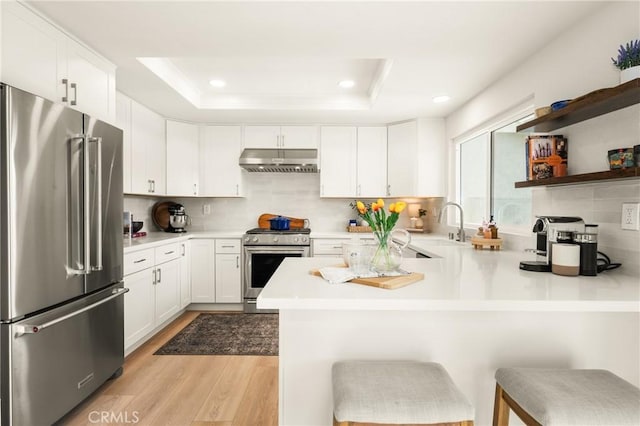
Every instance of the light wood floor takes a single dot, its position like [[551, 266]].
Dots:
[[195, 390]]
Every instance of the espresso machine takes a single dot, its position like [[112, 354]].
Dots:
[[548, 230], [177, 218]]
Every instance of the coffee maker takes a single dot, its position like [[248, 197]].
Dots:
[[547, 229], [177, 218]]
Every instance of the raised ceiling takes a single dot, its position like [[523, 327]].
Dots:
[[282, 61]]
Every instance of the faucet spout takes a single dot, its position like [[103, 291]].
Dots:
[[461, 236]]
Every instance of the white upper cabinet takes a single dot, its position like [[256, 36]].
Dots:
[[182, 159], [41, 59], [416, 158], [148, 151], [220, 149], [276, 137], [401, 161], [338, 152], [372, 162], [123, 121]]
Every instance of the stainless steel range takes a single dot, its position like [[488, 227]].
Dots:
[[264, 250]]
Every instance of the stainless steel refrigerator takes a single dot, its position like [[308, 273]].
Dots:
[[61, 291]]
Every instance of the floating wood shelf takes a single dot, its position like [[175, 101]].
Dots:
[[632, 172], [591, 105]]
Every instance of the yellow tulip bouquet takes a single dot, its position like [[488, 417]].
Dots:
[[381, 225]]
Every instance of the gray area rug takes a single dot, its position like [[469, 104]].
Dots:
[[226, 334]]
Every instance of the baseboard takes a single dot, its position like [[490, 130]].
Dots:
[[232, 307]]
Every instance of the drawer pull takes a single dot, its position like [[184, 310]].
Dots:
[[170, 252], [139, 261], [227, 246], [337, 247]]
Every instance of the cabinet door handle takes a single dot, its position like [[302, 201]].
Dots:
[[184, 250], [237, 262], [388, 190], [153, 185], [149, 185], [159, 275], [195, 189], [139, 261], [74, 86], [65, 98], [359, 190], [282, 141], [278, 141], [154, 276]]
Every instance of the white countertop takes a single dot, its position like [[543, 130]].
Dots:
[[155, 239], [459, 279]]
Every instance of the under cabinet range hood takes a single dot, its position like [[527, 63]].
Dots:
[[280, 160]]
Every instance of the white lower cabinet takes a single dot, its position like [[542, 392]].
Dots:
[[203, 271], [215, 271], [139, 310], [228, 277], [153, 277], [167, 290], [185, 274]]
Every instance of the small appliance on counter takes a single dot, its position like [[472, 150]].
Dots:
[[547, 230], [169, 216]]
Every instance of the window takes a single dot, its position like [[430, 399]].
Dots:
[[488, 164]]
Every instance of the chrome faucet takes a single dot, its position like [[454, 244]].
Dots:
[[461, 235]]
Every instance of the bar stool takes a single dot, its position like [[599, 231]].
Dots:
[[397, 392], [565, 397]]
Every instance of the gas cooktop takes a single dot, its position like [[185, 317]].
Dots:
[[279, 232]]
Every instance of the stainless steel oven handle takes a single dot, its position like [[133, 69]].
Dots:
[[32, 329]]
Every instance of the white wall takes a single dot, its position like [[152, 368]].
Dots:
[[574, 64]]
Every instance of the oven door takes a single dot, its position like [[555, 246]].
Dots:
[[260, 262]]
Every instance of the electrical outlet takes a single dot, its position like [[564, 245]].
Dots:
[[631, 216], [206, 209]]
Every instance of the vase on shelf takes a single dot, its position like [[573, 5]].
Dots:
[[388, 255], [629, 74]]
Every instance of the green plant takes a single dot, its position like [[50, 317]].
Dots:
[[628, 55]]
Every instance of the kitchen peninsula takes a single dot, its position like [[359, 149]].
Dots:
[[474, 312]]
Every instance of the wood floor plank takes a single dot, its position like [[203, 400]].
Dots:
[[202, 377], [225, 397], [191, 390], [259, 400]]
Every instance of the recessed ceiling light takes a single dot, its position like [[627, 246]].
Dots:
[[440, 99], [347, 84], [217, 83]]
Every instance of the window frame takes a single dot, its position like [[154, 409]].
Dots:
[[517, 113]]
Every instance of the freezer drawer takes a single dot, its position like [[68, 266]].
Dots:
[[75, 349]]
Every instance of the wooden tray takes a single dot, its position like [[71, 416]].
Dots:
[[359, 228], [388, 283], [481, 243], [263, 221]]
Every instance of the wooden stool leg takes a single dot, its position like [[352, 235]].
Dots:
[[500, 408], [337, 423]]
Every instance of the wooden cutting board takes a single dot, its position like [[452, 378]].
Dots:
[[263, 221], [388, 283]]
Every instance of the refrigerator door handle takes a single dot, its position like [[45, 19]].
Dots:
[[21, 330], [84, 270], [99, 207], [87, 207]]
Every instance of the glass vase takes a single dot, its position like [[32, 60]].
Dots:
[[388, 255]]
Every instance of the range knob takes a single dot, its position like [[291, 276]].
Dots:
[[254, 239], [295, 239], [304, 239], [247, 239], [275, 239]]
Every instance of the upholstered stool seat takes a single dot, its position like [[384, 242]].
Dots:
[[565, 397], [397, 392]]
